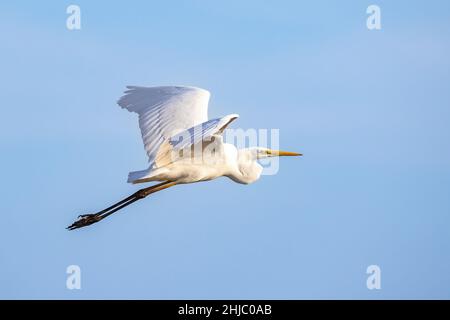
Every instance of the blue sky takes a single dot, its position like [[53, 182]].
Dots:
[[369, 109]]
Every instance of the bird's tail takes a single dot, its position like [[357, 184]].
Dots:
[[134, 176]]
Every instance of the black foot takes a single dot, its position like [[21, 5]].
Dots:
[[85, 220]]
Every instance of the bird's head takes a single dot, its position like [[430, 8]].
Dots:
[[261, 153], [249, 168]]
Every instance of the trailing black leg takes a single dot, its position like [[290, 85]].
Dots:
[[88, 219]]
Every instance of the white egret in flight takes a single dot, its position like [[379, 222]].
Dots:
[[174, 126]]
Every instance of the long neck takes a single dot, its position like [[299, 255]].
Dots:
[[247, 170]]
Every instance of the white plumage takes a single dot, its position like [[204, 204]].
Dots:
[[165, 111], [182, 145], [170, 118], [174, 118]]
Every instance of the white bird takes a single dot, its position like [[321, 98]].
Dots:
[[182, 145]]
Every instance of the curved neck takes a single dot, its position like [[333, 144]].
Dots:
[[248, 169]]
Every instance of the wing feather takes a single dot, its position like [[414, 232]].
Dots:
[[200, 135], [165, 111]]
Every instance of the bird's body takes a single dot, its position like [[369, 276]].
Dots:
[[227, 161], [182, 145]]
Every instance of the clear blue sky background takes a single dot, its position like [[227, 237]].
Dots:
[[369, 109]]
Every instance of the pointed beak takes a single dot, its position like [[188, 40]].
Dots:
[[284, 153]]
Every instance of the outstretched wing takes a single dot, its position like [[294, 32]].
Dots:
[[165, 111]]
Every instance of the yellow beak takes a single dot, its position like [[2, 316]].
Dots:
[[283, 153]]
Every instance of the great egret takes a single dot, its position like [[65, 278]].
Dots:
[[174, 124]]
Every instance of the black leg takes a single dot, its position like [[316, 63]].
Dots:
[[88, 219]]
